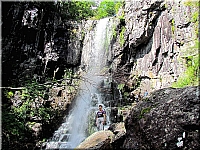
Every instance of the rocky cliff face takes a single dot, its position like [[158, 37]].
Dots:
[[156, 32], [37, 43]]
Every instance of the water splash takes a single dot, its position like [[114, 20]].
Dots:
[[75, 129]]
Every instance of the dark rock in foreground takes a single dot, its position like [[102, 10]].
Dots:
[[168, 119]]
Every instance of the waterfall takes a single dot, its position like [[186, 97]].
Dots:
[[81, 117]]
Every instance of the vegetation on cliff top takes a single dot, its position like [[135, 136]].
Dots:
[[79, 10]]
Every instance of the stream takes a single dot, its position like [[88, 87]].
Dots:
[[80, 122]]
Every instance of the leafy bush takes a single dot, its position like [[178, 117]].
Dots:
[[191, 74], [107, 8], [15, 118], [14, 129], [77, 10]]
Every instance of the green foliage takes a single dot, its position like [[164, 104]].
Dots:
[[191, 75], [121, 17], [35, 91], [71, 89], [191, 3], [173, 25], [195, 16], [68, 73], [105, 9], [8, 94], [25, 94], [144, 111], [120, 86], [126, 94], [18, 119], [122, 40], [13, 125], [15, 118], [21, 111], [77, 10], [195, 20], [108, 8], [114, 32], [44, 113], [118, 5]]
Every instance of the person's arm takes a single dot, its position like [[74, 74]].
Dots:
[[104, 118]]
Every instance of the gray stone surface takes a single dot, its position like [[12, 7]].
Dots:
[[156, 34], [160, 120]]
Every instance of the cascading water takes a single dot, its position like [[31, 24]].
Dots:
[[80, 122]]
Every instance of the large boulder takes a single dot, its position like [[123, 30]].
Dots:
[[112, 138], [167, 119], [120, 133], [98, 140]]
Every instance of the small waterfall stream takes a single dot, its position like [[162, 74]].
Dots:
[[79, 123]]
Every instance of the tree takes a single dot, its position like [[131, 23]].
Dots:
[[108, 8], [105, 9], [77, 10]]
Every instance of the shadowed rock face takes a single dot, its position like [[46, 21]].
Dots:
[[168, 119], [37, 43]]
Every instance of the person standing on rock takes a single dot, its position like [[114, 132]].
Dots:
[[100, 118]]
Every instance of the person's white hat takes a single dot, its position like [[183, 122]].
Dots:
[[100, 105]]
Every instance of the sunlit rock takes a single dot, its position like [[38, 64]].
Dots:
[[98, 140]]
